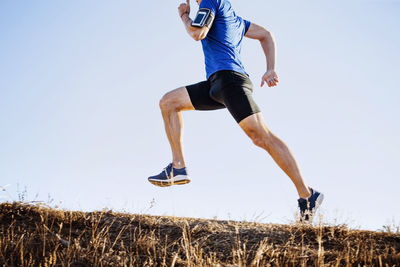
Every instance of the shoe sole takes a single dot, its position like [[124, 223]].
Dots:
[[159, 183], [318, 201]]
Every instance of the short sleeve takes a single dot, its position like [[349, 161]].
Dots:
[[210, 4], [246, 25]]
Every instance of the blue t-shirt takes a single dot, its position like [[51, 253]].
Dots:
[[223, 43]]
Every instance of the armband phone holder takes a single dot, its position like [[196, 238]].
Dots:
[[203, 18]]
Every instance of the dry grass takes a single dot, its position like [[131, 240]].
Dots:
[[41, 236]]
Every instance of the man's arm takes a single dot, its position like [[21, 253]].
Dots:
[[195, 32], [268, 45]]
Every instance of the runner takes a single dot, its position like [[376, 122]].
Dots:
[[228, 85]]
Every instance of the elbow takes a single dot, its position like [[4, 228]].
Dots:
[[269, 34], [266, 35], [197, 36]]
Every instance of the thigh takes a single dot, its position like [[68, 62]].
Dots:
[[178, 99], [254, 125], [199, 94], [237, 96]]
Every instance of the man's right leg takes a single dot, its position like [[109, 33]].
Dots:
[[171, 105], [255, 127]]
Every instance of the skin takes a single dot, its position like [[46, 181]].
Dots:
[[178, 100], [195, 32]]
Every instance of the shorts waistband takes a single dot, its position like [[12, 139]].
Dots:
[[217, 74]]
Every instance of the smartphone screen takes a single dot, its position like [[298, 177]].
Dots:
[[199, 18]]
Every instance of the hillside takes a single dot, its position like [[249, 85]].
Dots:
[[41, 236]]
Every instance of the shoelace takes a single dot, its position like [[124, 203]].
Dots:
[[172, 171]]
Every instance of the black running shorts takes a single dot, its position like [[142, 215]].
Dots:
[[225, 89]]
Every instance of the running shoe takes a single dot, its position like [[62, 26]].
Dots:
[[309, 206], [170, 176]]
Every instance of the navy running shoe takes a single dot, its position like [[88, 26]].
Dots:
[[309, 206], [170, 176]]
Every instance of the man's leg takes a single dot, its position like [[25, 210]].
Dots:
[[171, 105], [256, 129], [195, 96]]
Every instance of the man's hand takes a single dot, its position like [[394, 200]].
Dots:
[[270, 77], [184, 8]]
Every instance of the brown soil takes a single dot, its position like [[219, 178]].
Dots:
[[41, 236]]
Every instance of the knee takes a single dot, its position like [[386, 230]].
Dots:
[[167, 103], [261, 139]]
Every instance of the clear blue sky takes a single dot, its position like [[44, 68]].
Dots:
[[80, 83]]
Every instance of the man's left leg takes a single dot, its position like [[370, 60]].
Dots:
[[171, 105], [195, 96]]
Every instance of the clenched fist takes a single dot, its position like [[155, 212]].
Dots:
[[184, 8]]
